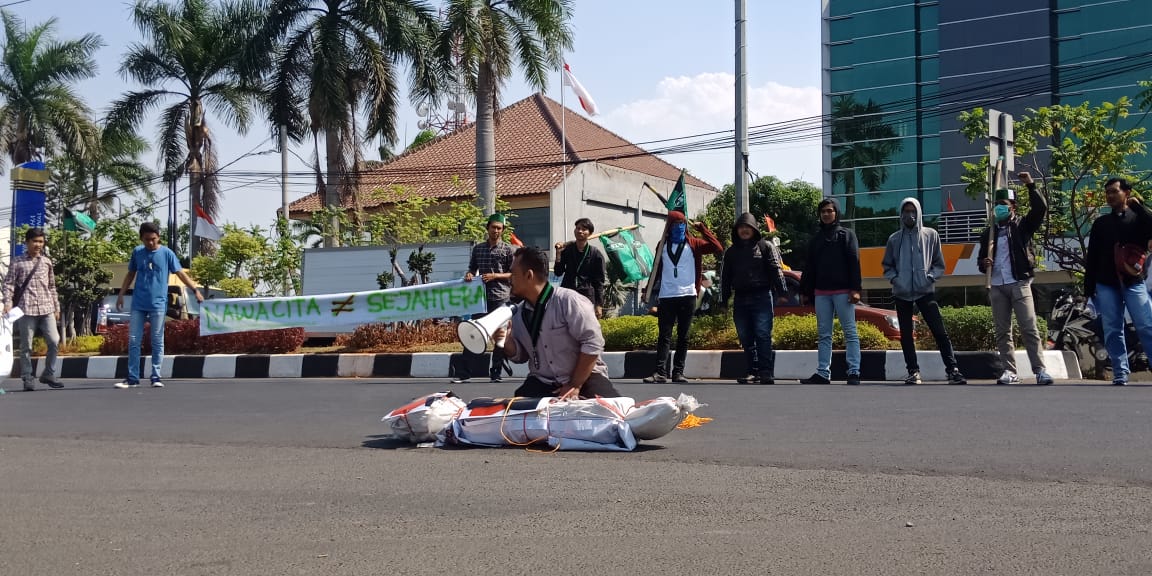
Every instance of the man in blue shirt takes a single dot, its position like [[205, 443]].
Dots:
[[149, 267]]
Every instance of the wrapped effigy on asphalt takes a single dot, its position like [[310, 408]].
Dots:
[[597, 424]]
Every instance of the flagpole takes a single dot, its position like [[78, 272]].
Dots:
[[563, 150]]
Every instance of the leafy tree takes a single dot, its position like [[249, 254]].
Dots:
[[1074, 149], [111, 172], [331, 58], [41, 114], [480, 44], [792, 205], [239, 265], [81, 282], [862, 143], [190, 60]]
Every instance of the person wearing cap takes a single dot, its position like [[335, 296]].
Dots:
[[31, 286], [1013, 266], [491, 261], [1113, 266], [913, 262], [675, 286]]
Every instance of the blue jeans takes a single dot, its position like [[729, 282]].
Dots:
[[26, 327], [845, 310], [136, 333], [752, 314], [1111, 302]]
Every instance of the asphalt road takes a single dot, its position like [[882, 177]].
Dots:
[[291, 477]]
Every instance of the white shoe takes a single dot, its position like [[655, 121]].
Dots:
[[124, 385], [1008, 377], [157, 384]]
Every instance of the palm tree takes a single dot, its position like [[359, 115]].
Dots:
[[334, 58], [41, 114], [861, 140], [482, 41], [115, 161], [190, 60]]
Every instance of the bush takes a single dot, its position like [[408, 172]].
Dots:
[[713, 332], [800, 333], [629, 333], [398, 337], [183, 337], [81, 345], [971, 328]]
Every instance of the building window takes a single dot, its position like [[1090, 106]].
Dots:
[[531, 226]]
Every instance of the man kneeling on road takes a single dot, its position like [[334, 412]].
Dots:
[[556, 332]]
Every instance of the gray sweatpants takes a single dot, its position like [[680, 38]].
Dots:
[[1006, 299]]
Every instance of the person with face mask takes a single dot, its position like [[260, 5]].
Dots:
[[913, 262], [1013, 266], [674, 287]]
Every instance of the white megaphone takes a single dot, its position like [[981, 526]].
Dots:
[[475, 334]]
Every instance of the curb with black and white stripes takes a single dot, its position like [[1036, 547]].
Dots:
[[875, 365]]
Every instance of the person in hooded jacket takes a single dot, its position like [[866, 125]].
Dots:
[[913, 262], [753, 269], [833, 282], [675, 285]]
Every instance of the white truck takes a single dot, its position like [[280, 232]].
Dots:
[[355, 268]]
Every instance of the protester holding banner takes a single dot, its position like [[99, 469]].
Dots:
[[492, 262], [582, 265], [556, 332], [148, 272], [754, 271], [674, 287], [31, 286]]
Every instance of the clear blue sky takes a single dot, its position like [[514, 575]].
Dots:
[[656, 68]]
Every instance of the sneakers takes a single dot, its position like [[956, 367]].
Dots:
[[656, 379], [749, 379], [913, 378], [815, 379], [52, 382], [679, 379], [1119, 382], [124, 385], [765, 379], [156, 383], [459, 380], [1043, 379], [955, 377], [853, 379], [495, 379], [1008, 377]]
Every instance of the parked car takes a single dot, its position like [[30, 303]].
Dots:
[[883, 319]]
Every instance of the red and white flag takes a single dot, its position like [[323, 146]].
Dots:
[[205, 228], [586, 100]]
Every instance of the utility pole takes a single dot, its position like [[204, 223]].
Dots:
[[741, 180], [284, 197]]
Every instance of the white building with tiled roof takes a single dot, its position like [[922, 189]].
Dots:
[[603, 182]]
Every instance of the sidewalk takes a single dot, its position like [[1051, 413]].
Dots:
[[875, 365]]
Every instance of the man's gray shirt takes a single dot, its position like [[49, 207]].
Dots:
[[569, 328]]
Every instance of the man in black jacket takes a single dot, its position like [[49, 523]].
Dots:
[[832, 281], [1013, 266], [582, 266], [1112, 272], [753, 270]]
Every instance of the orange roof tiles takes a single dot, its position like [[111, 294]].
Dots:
[[527, 158]]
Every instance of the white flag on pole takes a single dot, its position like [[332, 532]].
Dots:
[[205, 228], [586, 100]]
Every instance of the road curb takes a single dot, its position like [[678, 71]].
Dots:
[[875, 365]]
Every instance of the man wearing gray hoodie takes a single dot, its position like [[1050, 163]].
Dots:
[[913, 263]]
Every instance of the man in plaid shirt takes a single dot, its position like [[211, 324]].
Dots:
[[31, 285], [492, 262]]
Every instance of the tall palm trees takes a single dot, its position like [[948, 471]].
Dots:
[[486, 39], [189, 60], [861, 141], [333, 58], [41, 114], [114, 160]]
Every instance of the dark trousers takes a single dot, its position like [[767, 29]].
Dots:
[[597, 385], [753, 316], [674, 312], [464, 369], [930, 314]]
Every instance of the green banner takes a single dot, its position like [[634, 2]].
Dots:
[[438, 300]]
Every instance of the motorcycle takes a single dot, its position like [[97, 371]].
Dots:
[[1075, 326]]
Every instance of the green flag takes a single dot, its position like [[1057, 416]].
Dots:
[[75, 220], [678, 199]]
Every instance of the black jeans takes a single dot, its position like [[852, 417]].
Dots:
[[597, 385], [463, 370], [930, 313], [674, 312]]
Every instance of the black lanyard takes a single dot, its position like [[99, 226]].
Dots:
[[537, 319], [583, 257], [675, 257]]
